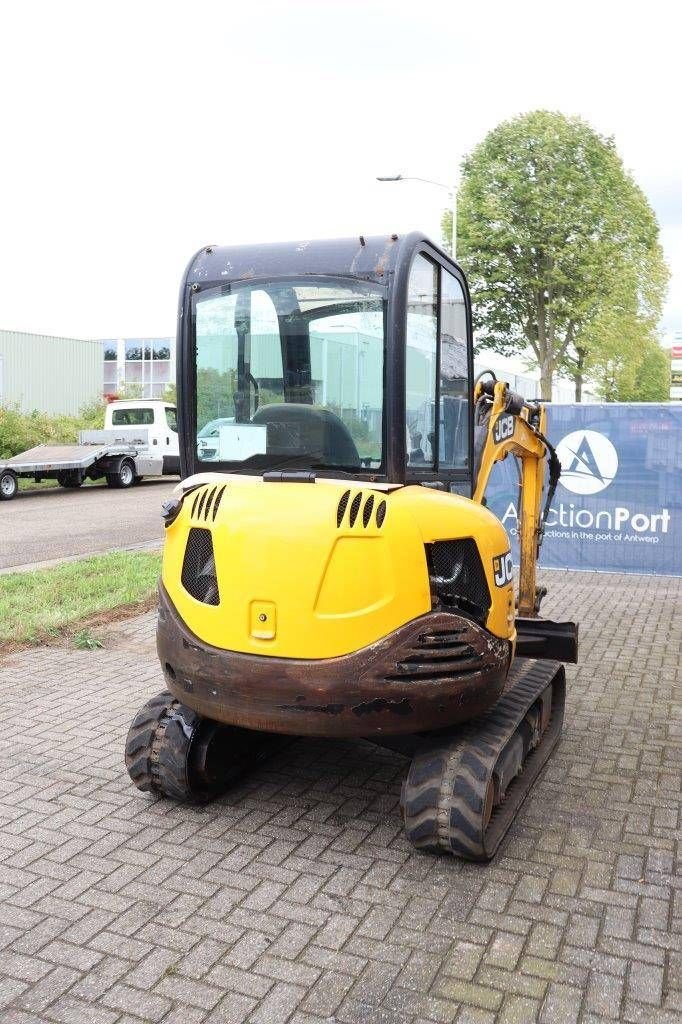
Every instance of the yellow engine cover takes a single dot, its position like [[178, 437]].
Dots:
[[296, 579]]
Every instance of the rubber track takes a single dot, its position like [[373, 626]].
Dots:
[[444, 792]]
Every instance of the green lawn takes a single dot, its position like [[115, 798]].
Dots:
[[52, 603]]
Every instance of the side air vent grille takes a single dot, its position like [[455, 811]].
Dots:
[[369, 510], [441, 655], [207, 501], [198, 567], [457, 577]]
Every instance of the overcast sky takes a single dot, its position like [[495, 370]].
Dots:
[[134, 133]]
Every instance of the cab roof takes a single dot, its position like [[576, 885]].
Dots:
[[369, 257]]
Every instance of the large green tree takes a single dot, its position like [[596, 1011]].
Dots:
[[560, 245]]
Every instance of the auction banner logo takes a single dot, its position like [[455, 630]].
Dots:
[[589, 461]]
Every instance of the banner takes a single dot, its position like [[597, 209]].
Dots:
[[618, 505]]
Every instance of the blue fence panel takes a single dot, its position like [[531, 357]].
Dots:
[[618, 505]]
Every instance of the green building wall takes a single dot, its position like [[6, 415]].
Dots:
[[52, 375]]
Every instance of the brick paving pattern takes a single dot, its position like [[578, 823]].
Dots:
[[296, 898]]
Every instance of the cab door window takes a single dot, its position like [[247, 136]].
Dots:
[[453, 448], [420, 363]]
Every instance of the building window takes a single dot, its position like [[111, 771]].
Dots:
[[161, 348]]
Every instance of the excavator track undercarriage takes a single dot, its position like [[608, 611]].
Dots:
[[462, 790]]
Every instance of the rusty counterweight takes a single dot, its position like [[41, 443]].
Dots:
[[437, 670]]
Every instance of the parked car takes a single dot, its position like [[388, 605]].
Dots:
[[208, 438]]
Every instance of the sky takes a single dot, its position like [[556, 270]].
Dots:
[[134, 133]]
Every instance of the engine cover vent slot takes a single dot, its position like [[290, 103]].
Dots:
[[355, 508], [198, 567], [219, 498], [367, 511], [209, 503], [457, 578], [381, 514], [341, 510]]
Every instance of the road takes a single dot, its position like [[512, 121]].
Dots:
[[49, 524]]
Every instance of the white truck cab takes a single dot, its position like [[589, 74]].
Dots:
[[127, 418]]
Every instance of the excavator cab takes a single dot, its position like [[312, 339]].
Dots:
[[330, 567], [349, 359]]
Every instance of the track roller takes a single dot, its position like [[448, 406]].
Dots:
[[464, 788], [175, 752]]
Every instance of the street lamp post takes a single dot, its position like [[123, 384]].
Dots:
[[450, 189]]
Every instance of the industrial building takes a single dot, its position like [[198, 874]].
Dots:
[[48, 374]]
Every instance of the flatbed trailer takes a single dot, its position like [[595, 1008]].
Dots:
[[71, 466]]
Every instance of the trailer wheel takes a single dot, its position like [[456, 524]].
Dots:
[[124, 476], [9, 485], [70, 478]]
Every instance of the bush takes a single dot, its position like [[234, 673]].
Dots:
[[19, 431]]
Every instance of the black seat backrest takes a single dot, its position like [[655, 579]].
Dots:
[[295, 429]]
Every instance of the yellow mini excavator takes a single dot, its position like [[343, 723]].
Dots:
[[330, 568]]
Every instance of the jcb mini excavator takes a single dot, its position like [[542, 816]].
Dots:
[[330, 568]]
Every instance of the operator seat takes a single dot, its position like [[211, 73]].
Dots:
[[295, 430]]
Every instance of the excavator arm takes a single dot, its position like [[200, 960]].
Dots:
[[505, 424]]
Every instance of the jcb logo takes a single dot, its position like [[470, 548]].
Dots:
[[503, 569], [504, 428]]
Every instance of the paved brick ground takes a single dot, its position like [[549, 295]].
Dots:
[[296, 898]]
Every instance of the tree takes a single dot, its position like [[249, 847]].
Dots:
[[553, 232], [653, 377], [638, 374]]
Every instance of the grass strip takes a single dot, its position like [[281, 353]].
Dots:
[[46, 605]]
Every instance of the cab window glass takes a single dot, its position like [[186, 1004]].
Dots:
[[420, 363], [290, 373], [266, 348], [453, 448], [172, 419]]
